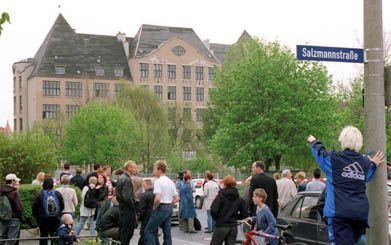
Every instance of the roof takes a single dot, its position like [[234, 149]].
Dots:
[[219, 50], [80, 54]]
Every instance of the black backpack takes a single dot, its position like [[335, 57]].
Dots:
[[91, 198], [5, 208]]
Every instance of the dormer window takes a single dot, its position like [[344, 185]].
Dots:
[[100, 72], [60, 70], [118, 72]]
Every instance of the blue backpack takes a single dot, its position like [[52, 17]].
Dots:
[[51, 204]]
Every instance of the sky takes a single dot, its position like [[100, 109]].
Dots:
[[335, 23]]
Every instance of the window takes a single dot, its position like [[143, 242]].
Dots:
[[59, 69], [118, 72], [158, 89], [144, 69], [171, 113], [117, 89], [178, 50], [20, 103], [211, 73], [171, 71], [50, 111], [14, 83], [101, 90], [51, 88], [308, 209], [157, 70], [186, 72], [100, 72], [186, 135], [171, 95], [20, 82], [200, 94], [73, 89], [199, 112], [187, 93], [71, 110], [20, 124], [199, 70], [187, 113], [296, 211]]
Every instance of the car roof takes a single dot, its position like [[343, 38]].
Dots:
[[309, 193]]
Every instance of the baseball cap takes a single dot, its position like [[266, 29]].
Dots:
[[12, 177]]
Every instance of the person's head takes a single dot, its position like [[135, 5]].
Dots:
[[147, 184], [40, 176], [66, 166], [65, 179], [130, 167], [48, 183], [98, 167], [78, 171], [101, 179], [209, 176], [93, 181], [276, 176], [159, 168], [317, 173], [350, 139], [257, 167], [118, 172], [67, 219], [107, 170], [259, 196], [187, 177], [206, 172], [229, 181], [180, 175], [12, 180], [299, 177], [286, 173]]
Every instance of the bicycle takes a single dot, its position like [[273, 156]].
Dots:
[[253, 237]]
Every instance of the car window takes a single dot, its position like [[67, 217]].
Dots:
[[308, 209], [286, 210], [296, 210]]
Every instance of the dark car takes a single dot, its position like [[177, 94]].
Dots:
[[303, 215]]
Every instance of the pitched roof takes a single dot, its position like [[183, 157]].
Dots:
[[219, 50]]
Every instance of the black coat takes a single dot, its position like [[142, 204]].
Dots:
[[228, 207], [110, 219], [65, 237], [13, 196], [78, 181], [39, 211], [146, 206], [124, 191], [261, 180]]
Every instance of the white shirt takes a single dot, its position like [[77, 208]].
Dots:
[[166, 188], [211, 189], [286, 191]]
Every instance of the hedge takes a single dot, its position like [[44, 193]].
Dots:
[[28, 194]]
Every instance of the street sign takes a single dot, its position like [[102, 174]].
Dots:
[[334, 54]]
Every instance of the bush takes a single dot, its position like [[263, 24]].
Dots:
[[27, 195]]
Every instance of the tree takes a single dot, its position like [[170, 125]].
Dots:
[[26, 154], [150, 121], [266, 103], [3, 19], [100, 133]]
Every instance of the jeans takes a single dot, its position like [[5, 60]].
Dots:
[[9, 229], [161, 216], [48, 227], [211, 222], [82, 221]]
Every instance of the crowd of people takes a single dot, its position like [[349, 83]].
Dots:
[[115, 207]]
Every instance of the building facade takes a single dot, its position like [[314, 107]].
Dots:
[[71, 69]]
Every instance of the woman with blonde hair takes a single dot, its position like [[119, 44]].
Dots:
[[39, 179], [300, 181]]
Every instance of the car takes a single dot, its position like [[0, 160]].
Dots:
[[198, 192]]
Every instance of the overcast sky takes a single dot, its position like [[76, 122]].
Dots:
[[336, 23]]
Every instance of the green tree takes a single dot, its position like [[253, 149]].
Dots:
[[100, 133], [266, 103], [26, 154], [3, 19]]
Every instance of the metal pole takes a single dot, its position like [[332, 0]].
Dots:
[[375, 133]]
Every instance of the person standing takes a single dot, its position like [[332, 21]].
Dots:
[[261, 180], [137, 182], [286, 188], [125, 198], [145, 209], [300, 181], [11, 213], [188, 212], [346, 207], [211, 189], [78, 180], [39, 179], [89, 200], [165, 196], [66, 171], [69, 196], [316, 184]]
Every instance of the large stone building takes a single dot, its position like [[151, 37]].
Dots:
[[70, 69]]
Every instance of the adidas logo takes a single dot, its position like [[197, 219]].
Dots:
[[353, 171]]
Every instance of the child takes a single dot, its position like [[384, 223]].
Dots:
[[65, 232], [145, 209]]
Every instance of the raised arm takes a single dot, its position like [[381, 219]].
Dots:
[[320, 154]]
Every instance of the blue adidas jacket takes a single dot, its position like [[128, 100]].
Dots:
[[347, 173]]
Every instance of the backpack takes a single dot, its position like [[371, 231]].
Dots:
[[91, 198], [51, 204], [5, 208], [197, 224]]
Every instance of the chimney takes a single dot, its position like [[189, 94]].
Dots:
[[121, 37]]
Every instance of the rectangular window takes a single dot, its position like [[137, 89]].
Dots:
[[158, 89], [20, 124], [99, 72], [157, 70], [187, 113], [20, 103], [199, 112], [187, 93], [71, 110], [171, 95], [211, 73], [144, 69], [101, 90], [186, 72], [200, 94], [199, 70], [73, 89], [51, 88], [59, 69], [118, 72], [14, 83], [117, 89], [20, 82], [50, 111], [171, 71]]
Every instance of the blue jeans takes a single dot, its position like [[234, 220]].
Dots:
[[82, 221], [211, 222], [161, 217], [9, 229]]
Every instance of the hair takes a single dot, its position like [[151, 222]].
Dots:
[[104, 178], [66, 216], [148, 182], [118, 171], [128, 163], [180, 175], [229, 181], [285, 172], [78, 171], [300, 175], [65, 179], [187, 176], [259, 192], [106, 167], [350, 139], [47, 183], [162, 166], [97, 166], [209, 176], [66, 166], [40, 176], [92, 179], [276, 176], [259, 164], [317, 173]]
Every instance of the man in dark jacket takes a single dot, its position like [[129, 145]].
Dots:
[[125, 198], [145, 209], [261, 180], [78, 180], [10, 225], [109, 224], [47, 208]]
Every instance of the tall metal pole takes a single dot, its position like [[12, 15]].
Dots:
[[375, 135]]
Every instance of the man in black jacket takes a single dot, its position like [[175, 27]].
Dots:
[[125, 198], [78, 180], [145, 209], [261, 180], [109, 224]]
